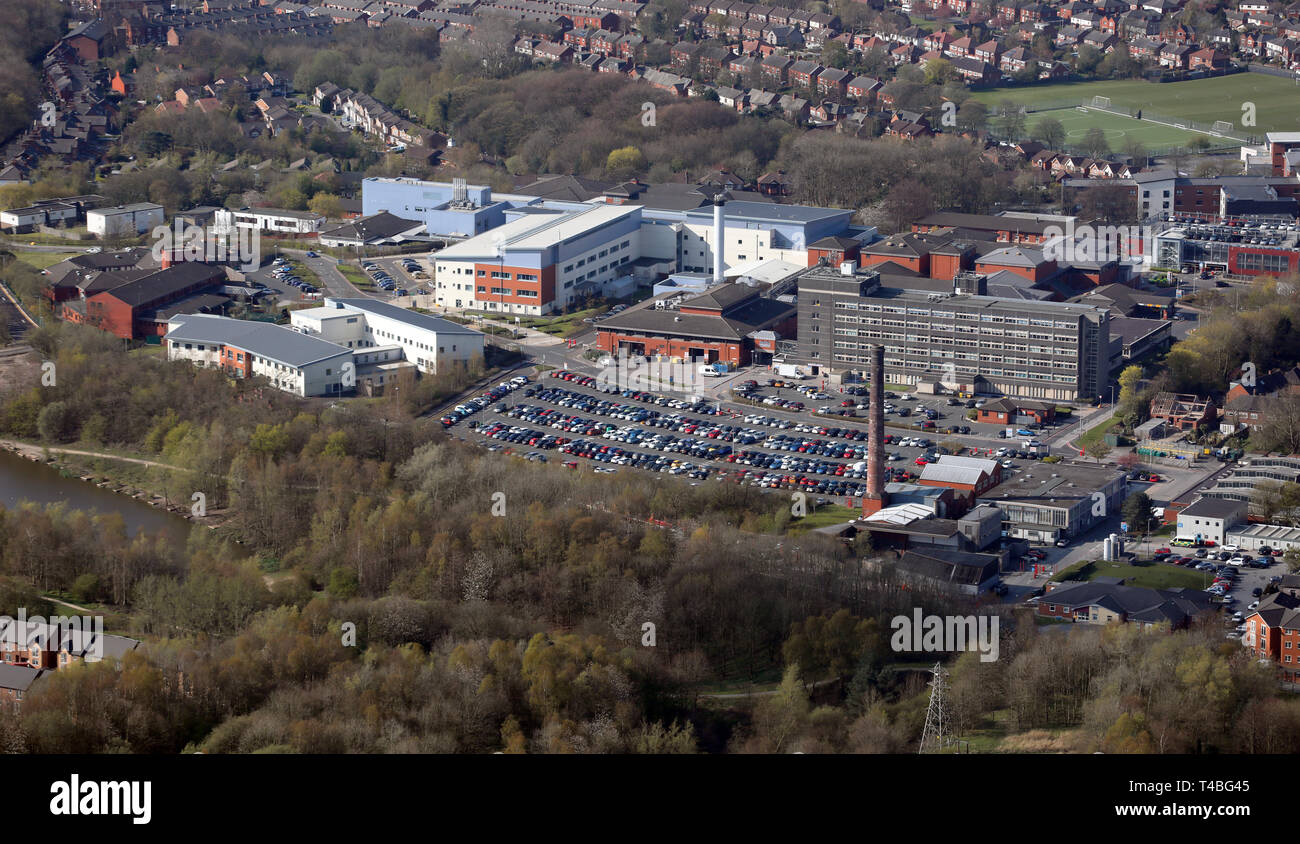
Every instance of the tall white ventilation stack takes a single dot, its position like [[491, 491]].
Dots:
[[719, 239]]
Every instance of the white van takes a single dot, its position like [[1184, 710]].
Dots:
[[710, 370]]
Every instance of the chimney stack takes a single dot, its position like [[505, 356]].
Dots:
[[719, 239], [875, 497]]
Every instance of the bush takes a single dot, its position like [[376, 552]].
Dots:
[[343, 583], [57, 422], [86, 588]]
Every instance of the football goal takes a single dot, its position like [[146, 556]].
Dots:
[[1100, 102], [1221, 127]]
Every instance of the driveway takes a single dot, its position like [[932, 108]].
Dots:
[[326, 268]]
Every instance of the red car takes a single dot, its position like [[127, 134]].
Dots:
[[1163, 551]]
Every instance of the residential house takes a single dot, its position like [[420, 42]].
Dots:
[[1106, 600]]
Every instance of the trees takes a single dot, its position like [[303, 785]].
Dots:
[[779, 718], [907, 202], [1280, 428], [1050, 131], [1109, 204], [835, 55], [326, 204], [1133, 404], [57, 422], [938, 71], [1011, 119], [972, 116], [1266, 499], [1137, 511], [1099, 449], [1095, 144], [832, 645]]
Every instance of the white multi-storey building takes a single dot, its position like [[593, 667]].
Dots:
[[430, 343]]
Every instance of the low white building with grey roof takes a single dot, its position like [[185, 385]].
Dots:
[[1208, 519], [291, 360]]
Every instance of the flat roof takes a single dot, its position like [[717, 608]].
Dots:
[[414, 319], [1212, 508], [281, 212], [922, 297], [568, 227], [1043, 482], [762, 211], [126, 209], [1135, 328], [484, 245]]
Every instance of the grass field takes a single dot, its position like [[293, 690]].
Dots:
[[1144, 573], [1277, 100], [43, 260], [823, 516], [1119, 130]]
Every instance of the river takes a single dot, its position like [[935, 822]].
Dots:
[[26, 480]]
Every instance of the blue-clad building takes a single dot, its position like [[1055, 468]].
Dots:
[[445, 208]]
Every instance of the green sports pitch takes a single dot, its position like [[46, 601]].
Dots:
[[1120, 130], [1276, 100]]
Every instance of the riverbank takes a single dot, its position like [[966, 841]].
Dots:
[[70, 463]]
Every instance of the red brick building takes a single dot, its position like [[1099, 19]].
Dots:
[[911, 251], [1007, 411], [834, 250], [1026, 262], [128, 310], [714, 327], [967, 477], [1273, 630]]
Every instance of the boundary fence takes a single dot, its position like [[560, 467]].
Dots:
[[1236, 137]]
